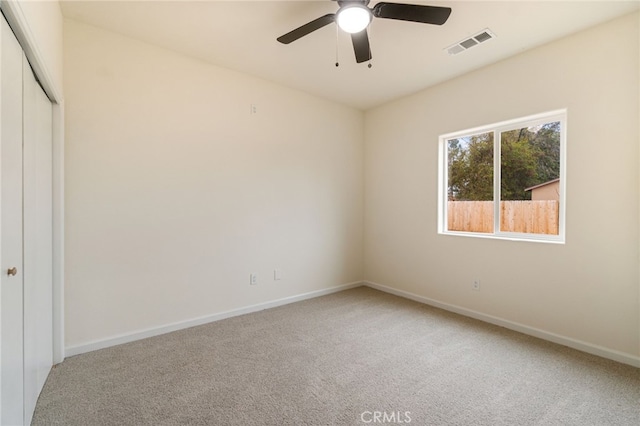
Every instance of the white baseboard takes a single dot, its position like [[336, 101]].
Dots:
[[155, 331], [618, 356], [601, 351]]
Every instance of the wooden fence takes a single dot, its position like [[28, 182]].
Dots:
[[533, 217]]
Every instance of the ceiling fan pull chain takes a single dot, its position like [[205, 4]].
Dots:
[[371, 38], [337, 40]]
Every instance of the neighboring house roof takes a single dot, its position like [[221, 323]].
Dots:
[[542, 184]]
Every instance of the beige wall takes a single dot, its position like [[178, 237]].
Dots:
[[175, 192], [589, 289]]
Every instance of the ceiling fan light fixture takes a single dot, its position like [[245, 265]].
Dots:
[[353, 18]]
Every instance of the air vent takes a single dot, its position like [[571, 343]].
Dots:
[[483, 36], [468, 43], [463, 45]]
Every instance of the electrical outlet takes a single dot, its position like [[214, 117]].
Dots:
[[253, 279], [475, 285], [277, 274]]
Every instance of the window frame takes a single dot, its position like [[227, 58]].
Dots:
[[497, 128]]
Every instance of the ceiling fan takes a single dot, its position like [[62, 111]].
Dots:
[[354, 16]]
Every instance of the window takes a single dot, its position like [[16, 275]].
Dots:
[[505, 180]]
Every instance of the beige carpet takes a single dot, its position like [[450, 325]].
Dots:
[[352, 358]]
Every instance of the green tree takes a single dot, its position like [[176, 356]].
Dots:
[[471, 168], [547, 144], [518, 162], [528, 157]]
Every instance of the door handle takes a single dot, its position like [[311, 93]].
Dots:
[[12, 271]]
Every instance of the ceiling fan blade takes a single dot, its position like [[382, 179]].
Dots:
[[361, 46], [412, 12], [307, 28]]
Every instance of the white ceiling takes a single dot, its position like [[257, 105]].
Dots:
[[241, 35]]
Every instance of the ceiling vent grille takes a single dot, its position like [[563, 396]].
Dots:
[[481, 37]]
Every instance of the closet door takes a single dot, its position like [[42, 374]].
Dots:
[[37, 239], [26, 274], [11, 266]]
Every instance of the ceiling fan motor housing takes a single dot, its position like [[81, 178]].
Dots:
[[346, 2]]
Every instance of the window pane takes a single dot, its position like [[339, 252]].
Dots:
[[530, 179], [470, 183]]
